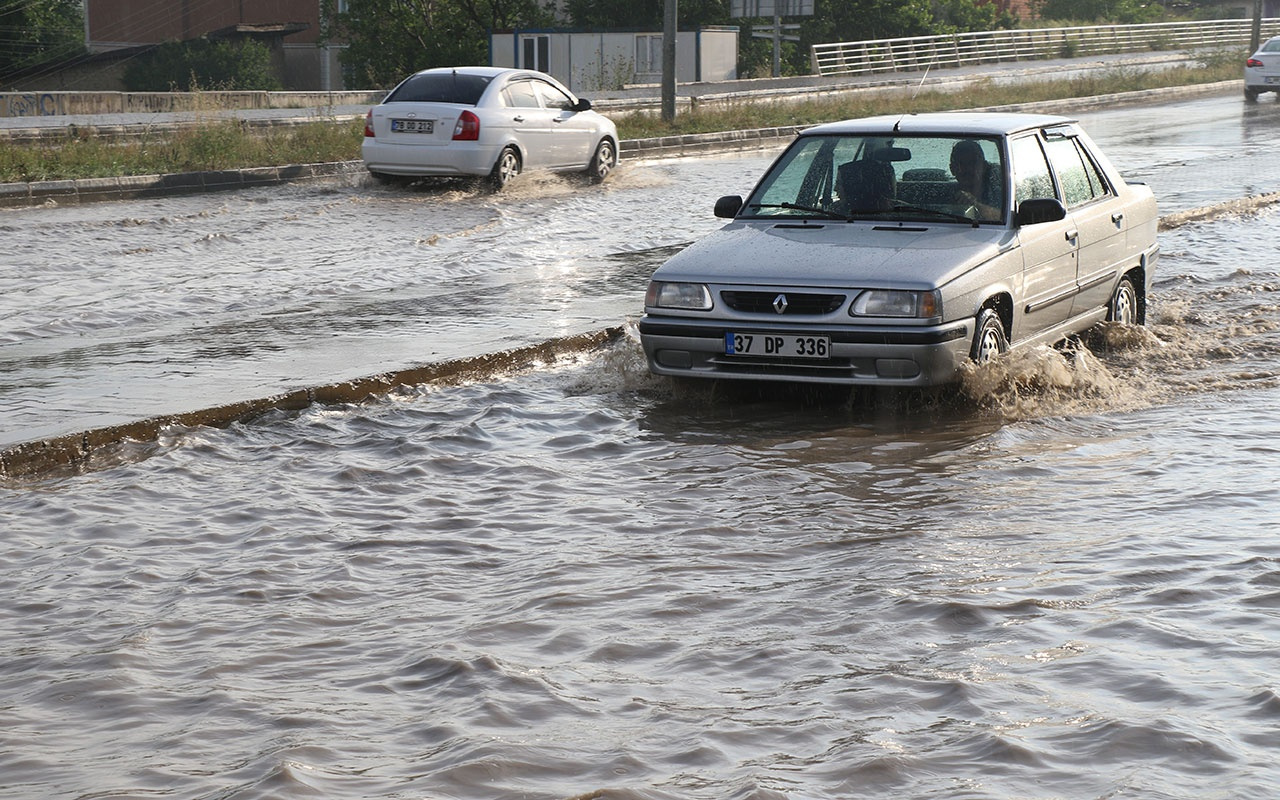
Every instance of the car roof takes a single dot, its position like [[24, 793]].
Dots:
[[973, 123], [487, 72]]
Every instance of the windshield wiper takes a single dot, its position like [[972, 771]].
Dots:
[[820, 212], [939, 212]]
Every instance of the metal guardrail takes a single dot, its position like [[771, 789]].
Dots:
[[984, 47]]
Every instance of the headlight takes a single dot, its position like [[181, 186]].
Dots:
[[689, 296], [890, 303]]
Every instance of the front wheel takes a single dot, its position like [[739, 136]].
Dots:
[[603, 162], [1123, 307], [506, 168], [990, 339]]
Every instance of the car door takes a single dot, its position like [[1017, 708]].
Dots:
[[530, 122], [572, 133], [1098, 216], [1049, 259]]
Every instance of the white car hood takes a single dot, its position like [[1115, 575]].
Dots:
[[837, 254]]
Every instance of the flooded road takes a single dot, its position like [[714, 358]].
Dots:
[[1060, 581]]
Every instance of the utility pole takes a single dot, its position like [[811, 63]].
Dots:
[[669, 10], [1255, 37]]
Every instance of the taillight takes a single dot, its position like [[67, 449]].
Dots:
[[1253, 62], [468, 127], [368, 123]]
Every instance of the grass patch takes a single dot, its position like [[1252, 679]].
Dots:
[[220, 145], [747, 115], [215, 145]]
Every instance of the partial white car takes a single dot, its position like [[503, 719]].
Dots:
[[890, 251], [1262, 70], [485, 121]]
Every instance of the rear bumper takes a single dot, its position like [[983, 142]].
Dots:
[[866, 356], [1258, 82], [454, 159]]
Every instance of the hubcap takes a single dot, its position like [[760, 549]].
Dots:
[[1126, 306], [604, 160]]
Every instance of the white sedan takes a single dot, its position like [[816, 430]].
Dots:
[[889, 251], [1262, 70], [485, 121]]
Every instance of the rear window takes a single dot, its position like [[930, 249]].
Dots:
[[440, 87]]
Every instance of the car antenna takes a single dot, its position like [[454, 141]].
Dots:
[[923, 77]]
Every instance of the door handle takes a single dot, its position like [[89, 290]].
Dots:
[[1072, 235], [1117, 217], [517, 118]]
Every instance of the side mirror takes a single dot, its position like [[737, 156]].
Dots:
[[581, 105], [728, 206], [1040, 209]]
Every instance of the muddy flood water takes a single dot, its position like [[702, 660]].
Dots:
[[573, 580]]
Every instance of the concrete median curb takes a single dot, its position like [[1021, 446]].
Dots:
[[129, 187], [81, 451]]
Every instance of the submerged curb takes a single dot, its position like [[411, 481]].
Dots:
[[78, 451]]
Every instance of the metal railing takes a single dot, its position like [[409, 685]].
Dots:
[[983, 47]]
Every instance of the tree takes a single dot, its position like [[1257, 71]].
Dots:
[[390, 39], [39, 31], [1122, 11], [203, 64], [644, 14]]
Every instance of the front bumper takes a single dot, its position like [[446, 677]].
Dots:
[[859, 355]]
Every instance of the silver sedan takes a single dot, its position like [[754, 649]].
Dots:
[[485, 121], [890, 250]]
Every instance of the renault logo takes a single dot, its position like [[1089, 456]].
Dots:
[[780, 304]]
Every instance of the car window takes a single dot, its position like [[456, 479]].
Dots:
[[1077, 174], [1032, 179], [440, 87], [553, 97], [1272, 46], [520, 94], [893, 177]]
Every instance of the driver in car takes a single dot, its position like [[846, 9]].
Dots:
[[979, 181]]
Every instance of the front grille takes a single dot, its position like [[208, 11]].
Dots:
[[798, 304]]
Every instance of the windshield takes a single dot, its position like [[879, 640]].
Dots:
[[440, 87], [915, 178]]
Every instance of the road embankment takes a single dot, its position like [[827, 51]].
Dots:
[[88, 190]]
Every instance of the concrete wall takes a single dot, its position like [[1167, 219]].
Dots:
[[125, 23], [45, 104]]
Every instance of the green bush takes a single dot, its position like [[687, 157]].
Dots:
[[203, 64]]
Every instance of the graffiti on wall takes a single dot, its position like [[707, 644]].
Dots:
[[30, 105]]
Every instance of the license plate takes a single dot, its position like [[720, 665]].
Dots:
[[413, 125], [776, 344], [1273, 79]]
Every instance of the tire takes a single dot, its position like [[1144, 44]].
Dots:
[[1251, 95], [989, 338], [506, 168], [1124, 306], [603, 162]]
